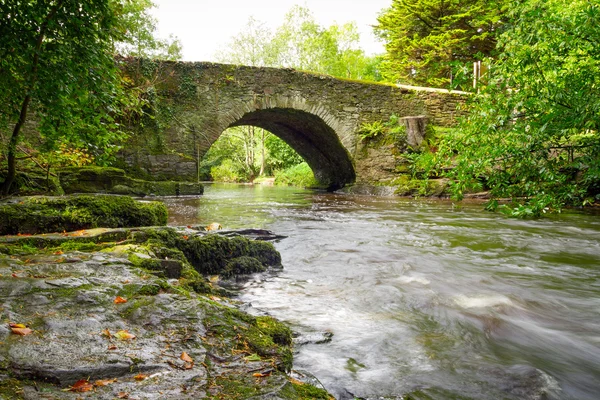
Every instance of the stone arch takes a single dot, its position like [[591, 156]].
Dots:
[[309, 129]]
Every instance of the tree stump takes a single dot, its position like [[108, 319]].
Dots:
[[415, 129]]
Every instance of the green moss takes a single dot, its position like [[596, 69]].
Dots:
[[11, 388], [304, 391], [270, 338], [241, 266], [278, 331], [70, 213], [113, 180]]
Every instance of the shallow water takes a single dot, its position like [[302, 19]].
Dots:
[[444, 301]]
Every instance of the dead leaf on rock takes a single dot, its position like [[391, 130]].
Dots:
[[120, 300], [123, 395], [106, 333], [20, 329], [124, 335], [140, 377], [189, 361], [82, 385], [104, 382], [261, 374], [112, 347], [185, 357]]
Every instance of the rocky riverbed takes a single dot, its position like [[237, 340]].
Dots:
[[129, 313]]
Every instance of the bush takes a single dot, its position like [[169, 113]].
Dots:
[[226, 172], [299, 175]]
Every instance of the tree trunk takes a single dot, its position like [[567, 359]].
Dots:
[[415, 129], [14, 139], [12, 148], [262, 161]]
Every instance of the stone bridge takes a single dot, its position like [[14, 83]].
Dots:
[[317, 115]]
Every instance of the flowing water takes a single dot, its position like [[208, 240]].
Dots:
[[423, 297]]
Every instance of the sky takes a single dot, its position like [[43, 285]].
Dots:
[[205, 27]]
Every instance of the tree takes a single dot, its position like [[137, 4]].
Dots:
[[57, 59], [252, 46], [429, 41], [533, 134], [140, 38]]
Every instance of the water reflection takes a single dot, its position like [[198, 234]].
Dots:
[[425, 297]]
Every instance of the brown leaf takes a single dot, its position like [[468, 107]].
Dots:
[[261, 375], [106, 333], [140, 377], [123, 395], [185, 357], [112, 347], [124, 335], [119, 300], [21, 331], [82, 385], [104, 382], [58, 253]]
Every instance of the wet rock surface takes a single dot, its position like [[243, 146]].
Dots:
[[104, 327]]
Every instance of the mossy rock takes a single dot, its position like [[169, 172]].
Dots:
[[114, 181], [243, 265], [32, 183], [70, 213]]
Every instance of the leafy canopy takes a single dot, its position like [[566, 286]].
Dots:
[[57, 62], [434, 42], [533, 134]]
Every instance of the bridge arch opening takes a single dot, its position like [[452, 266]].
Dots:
[[311, 137]]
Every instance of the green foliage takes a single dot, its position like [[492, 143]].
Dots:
[[56, 59], [227, 171], [299, 175], [301, 43], [533, 133], [432, 42], [140, 39], [391, 131], [280, 154]]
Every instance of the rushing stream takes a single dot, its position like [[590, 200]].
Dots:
[[446, 301]]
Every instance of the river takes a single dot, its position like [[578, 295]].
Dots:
[[440, 300]]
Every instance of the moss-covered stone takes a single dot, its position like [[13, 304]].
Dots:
[[57, 214], [115, 181], [242, 266]]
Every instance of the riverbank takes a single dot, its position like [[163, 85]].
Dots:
[[128, 313]]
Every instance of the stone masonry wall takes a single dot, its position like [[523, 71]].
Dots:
[[204, 99]]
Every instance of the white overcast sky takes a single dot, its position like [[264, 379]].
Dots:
[[205, 26]]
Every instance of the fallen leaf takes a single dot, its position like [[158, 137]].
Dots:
[[104, 382], [106, 333], [185, 357], [20, 329], [213, 227], [124, 335], [185, 237], [82, 385], [189, 227], [123, 395], [261, 375], [125, 282], [59, 252], [112, 347], [120, 300], [140, 377]]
